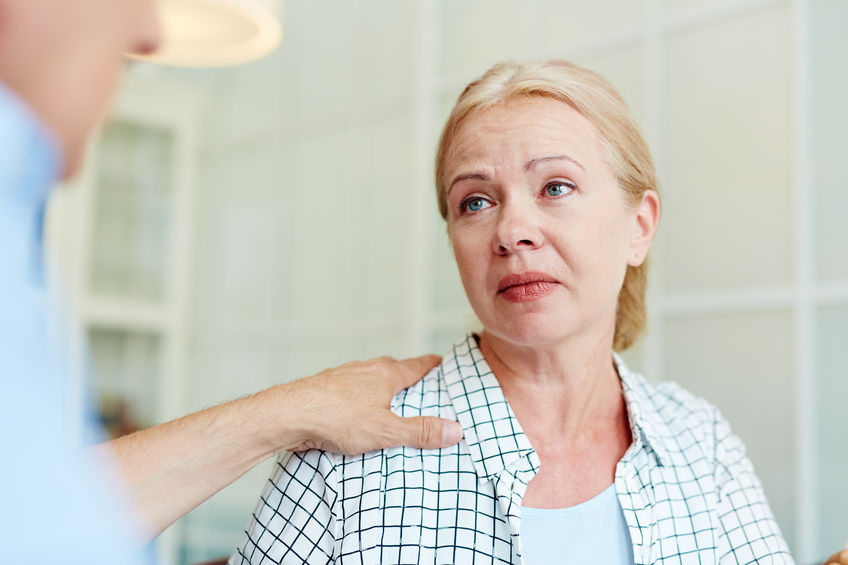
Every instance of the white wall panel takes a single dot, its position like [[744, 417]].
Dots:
[[242, 256], [832, 425], [377, 342], [475, 34], [625, 69], [328, 71], [443, 339], [570, 22], [309, 355], [448, 294], [830, 123], [636, 358], [251, 104], [225, 369], [728, 160], [380, 210], [318, 237], [385, 32], [678, 6]]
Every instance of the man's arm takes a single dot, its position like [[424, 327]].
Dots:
[[171, 468]]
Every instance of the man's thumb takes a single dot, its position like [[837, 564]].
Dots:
[[429, 432]]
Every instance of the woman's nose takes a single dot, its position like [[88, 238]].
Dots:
[[516, 230]]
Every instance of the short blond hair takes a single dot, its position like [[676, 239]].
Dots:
[[624, 148]]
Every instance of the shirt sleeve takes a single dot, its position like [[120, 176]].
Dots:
[[295, 518], [749, 532]]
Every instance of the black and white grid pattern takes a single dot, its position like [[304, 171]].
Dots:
[[688, 492]]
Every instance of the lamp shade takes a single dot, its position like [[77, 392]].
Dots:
[[211, 33]]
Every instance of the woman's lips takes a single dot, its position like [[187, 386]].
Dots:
[[524, 287]]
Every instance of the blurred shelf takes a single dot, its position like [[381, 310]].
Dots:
[[126, 314]]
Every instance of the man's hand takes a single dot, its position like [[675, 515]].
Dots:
[[346, 409], [840, 558], [171, 468]]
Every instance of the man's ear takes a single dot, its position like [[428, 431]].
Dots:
[[644, 227]]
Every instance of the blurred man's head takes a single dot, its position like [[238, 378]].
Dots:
[[64, 58]]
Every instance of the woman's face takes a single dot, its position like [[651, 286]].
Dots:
[[539, 226]]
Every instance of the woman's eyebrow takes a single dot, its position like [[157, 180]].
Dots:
[[530, 164], [466, 176], [533, 162]]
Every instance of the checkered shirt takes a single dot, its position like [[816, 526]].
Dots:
[[688, 492]]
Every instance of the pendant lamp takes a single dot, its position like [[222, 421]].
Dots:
[[212, 33]]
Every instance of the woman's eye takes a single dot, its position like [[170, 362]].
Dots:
[[558, 189], [474, 204]]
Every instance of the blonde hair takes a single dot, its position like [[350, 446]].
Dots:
[[624, 148]]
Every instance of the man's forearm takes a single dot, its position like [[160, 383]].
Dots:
[[171, 468]]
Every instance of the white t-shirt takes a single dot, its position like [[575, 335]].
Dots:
[[591, 532]]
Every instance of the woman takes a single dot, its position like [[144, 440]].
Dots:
[[548, 191]]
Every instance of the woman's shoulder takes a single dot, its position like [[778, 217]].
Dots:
[[674, 415], [687, 413], [427, 397], [667, 400], [677, 402]]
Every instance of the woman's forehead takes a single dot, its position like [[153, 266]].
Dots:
[[524, 129]]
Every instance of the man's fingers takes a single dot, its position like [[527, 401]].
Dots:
[[410, 371], [840, 558], [424, 432]]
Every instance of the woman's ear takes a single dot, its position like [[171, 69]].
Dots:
[[644, 227]]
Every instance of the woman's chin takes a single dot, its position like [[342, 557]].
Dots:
[[546, 329], [527, 334]]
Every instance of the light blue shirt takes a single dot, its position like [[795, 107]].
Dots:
[[592, 532], [55, 505]]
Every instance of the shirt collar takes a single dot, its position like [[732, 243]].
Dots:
[[495, 438], [30, 161], [29, 165], [646, 423]]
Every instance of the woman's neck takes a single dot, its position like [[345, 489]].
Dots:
[[560, 390]]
